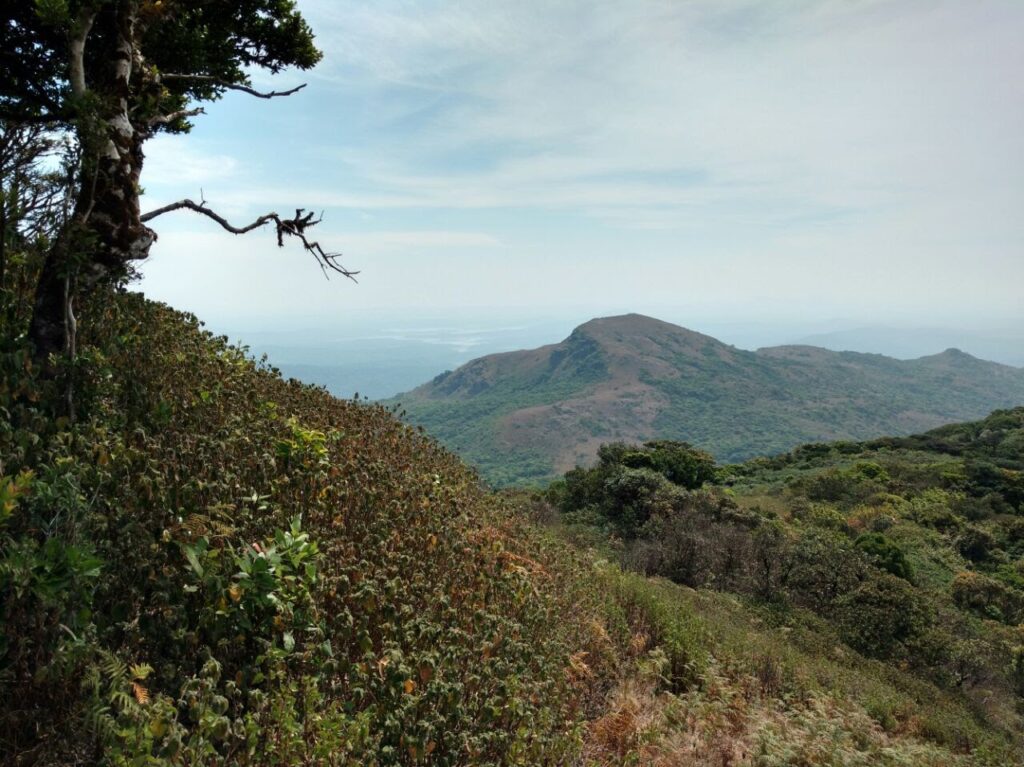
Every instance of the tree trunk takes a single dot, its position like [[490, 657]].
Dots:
[[97, 246], [46, 331], [105, 234]]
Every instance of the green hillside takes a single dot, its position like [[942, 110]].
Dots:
[[210, 565], [878, 582], [521, 563], [523, 416]]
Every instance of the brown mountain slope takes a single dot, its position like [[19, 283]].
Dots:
[[529, 414]]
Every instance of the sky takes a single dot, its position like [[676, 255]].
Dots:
[[811, 162]]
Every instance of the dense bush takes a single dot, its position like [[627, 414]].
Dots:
[[884, 553], [870, 538], [824, 567], [694, 541], [882, 616], [631, 484], [976, 543], [988, 597], [212, 566], [680, 463]]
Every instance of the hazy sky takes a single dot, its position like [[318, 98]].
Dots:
[[727, 158]]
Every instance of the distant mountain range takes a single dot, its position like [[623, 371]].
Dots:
[[527, 415], [1004, 345]]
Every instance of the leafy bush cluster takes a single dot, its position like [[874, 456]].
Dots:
[[882, 545], [702, 538], [630, 484], [211, 565]]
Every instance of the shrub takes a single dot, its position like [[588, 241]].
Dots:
[[883, 552], [396, 623], [976, 543], [679, 462], [772, 560], [824, 567], [695, 541], [846, 487], [988, 597], [933, 508], [633, 496], [881, 616]]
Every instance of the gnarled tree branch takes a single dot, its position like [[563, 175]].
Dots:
[[291, 227], [76, 46], [200, 207], [231, 86], [173, 116]]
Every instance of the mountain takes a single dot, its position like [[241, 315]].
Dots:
[[526, 415], [1005, 345]]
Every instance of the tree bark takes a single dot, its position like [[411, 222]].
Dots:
[[106, 233]]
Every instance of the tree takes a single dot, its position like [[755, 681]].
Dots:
[[772, 560], [678, 462], [33, 192], [633, 496], [682, 463], [824, 569], [114, 73]]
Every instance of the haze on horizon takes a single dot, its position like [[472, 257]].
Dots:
[[705, 161]]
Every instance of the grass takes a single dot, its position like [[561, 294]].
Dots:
[[765, 693]]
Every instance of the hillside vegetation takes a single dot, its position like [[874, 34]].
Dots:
[[525, 416], [210, 565], [879, 583]]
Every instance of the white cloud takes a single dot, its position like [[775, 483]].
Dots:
[[372, 242], [818, 104], [180, 160], [740, 153]]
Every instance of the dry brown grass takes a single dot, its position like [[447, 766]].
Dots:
[[734, 721]]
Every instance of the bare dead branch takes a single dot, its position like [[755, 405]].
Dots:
[[285, 227], [231, 86], [200, 207]]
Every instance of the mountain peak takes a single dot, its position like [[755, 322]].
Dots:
[[954, 356], [630, 321], [634, 326]]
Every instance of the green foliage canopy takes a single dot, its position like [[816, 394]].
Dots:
[[207, 47], [114, 73]]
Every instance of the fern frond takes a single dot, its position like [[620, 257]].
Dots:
[[141, 693], [141, 670], [122, 700], [114, 668]]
